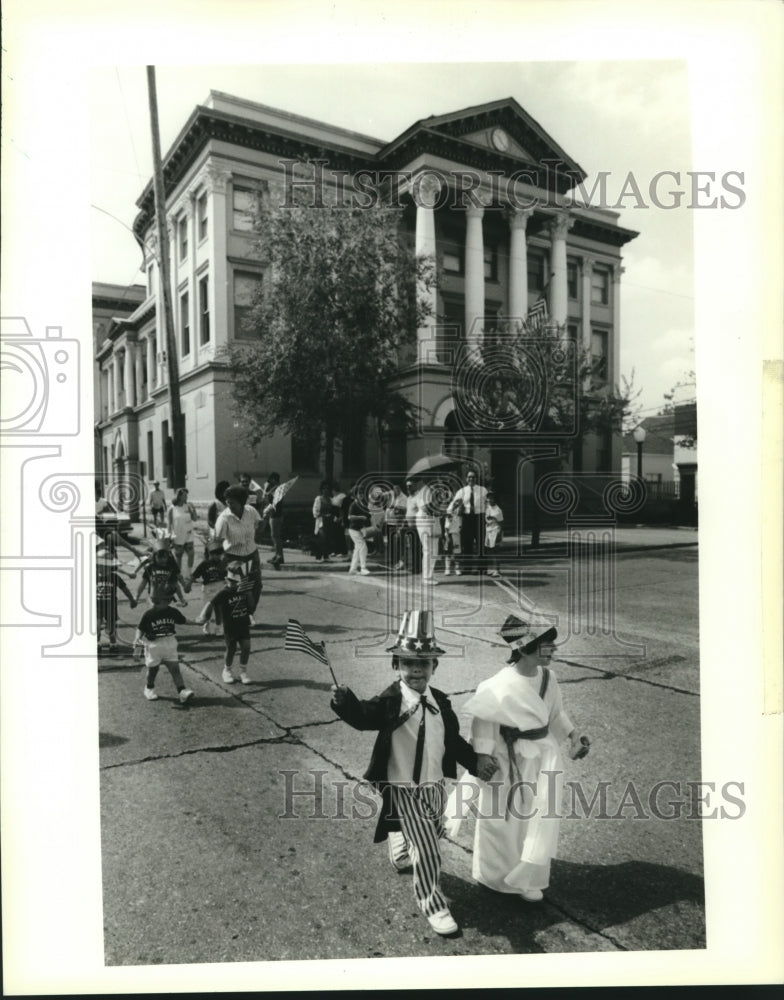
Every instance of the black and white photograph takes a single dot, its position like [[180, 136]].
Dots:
[[430, 602]]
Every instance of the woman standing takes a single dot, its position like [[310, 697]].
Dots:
[[236, 530], [180, 520], [358, 519], [323, 513], [217, 506]]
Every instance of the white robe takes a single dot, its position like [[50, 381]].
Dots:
[[513, 846]]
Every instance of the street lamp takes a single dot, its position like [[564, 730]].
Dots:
[[639, 434]]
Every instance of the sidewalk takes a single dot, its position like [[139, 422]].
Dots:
[[628, 538]]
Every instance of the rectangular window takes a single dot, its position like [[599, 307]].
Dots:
[[600, 287], [204, 311], [535, 273], [182, 229], [453, 260], [572, 280], [599, 355], [573, 331], [247, 286], [185, 324], [150, 456], [244, 208], [201, 215], [491, 264]]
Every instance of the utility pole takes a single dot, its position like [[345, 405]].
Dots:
[[178, 439]]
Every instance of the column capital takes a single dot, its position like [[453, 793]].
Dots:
[[518, 217], [617, 271], [588, 262], [475, 211], [216, 179], [560, 225]]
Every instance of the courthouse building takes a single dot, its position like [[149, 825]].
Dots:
[[485, 189]]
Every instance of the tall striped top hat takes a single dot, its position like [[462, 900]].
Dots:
[[415, 636], [525, 636]]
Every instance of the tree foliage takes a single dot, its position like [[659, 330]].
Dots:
[[342, 294]]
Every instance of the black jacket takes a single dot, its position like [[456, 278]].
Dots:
[[382, 713]]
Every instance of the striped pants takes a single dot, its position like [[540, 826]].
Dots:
[[421, 814]]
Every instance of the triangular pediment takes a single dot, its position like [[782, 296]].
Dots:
[[501, 129]]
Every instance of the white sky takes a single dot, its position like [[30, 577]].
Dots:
[[618, 117]]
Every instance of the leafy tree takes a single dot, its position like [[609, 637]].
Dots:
[[687, 434], [342, 295]]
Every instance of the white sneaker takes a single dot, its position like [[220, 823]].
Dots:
[[447, 572], [353, 572], [185, 695], [252, 620], [399, 565], [443, 922], [364, 572], [532, 895], [244, 679], [209, 628], [227, 676], [458, 572], [150, 694]]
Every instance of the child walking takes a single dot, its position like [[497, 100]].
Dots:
[[161, 573], [231, 604], [418, 745], [212, 573], [452, 525], [107, 581], [156, 635], [518, 717], [494, 519]]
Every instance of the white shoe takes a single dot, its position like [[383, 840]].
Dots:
[[227, 676], [443, 922], [447, 572], [244, 679], [252, 620], [532, 895], [185, 695], [458, 572], [353, 572], [364, 572], [150, 695]]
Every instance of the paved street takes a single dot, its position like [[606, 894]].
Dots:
[[207, 856]]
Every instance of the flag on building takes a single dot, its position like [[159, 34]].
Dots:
[[298, 641], [537, 315]]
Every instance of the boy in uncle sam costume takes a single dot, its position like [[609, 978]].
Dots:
[[518, 717], [418, 745]]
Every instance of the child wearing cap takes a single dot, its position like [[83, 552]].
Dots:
[[156, 634], [231, 604], [212, 573], [519, 718], [418, 745]]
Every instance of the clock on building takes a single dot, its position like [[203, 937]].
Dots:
[[500, 139]]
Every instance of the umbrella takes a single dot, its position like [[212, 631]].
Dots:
[[283, 489], [430, 462]]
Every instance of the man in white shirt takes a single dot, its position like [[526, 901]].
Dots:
[[472, 499]]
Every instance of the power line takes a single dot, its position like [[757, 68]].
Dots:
[[127, 122]]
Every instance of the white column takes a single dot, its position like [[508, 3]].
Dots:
[[110, 387], [151, 374], [518, 263], [614, 345], [588, 263], [116, 381], [130, 375], [138, 381], [217, 240], [426, 196], [559, 227], [474, 276]]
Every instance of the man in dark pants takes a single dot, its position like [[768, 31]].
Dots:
[[273, 511], [472, 499]]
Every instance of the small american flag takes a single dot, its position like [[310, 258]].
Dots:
[[298, 641]]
